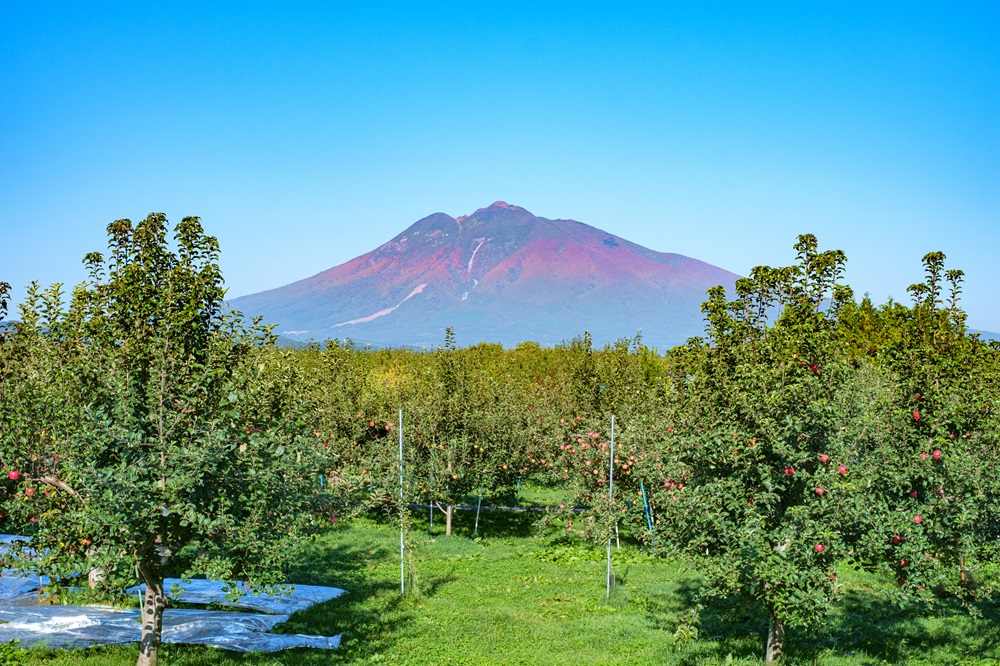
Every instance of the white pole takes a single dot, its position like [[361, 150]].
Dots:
[[402, 565], [618, 543], [478, 507], [611, 486]]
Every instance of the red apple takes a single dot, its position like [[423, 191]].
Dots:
[[842, 469], [916, 416], [918, 519], [819, 548], [820, 491], [789, 471], [823, 458], [936, 454], [913, 493], [896, 539], [14, 475]]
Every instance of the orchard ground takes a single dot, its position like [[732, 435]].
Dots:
[[512, 595]]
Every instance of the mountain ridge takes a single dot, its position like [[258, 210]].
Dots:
[[499, 274]]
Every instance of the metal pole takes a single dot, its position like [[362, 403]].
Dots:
[[478, 507], [402, 561], [430, 498], [611, 469], [649, 518], [607, 594], [611, 486]]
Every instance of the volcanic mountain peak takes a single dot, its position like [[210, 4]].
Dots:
[[499, 274]]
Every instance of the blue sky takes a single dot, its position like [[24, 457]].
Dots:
[[305, 135]]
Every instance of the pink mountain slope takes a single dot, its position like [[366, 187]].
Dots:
[[498, 275]]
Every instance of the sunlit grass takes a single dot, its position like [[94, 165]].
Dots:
[[509, 596]]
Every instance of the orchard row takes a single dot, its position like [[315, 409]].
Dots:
[[146, 427]]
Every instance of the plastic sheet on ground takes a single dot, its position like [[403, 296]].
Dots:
[[205, 592], [82, 626], [19, 588]]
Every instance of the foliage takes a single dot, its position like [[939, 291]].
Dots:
[[802, 436], [149, 427], [934, 514], [758, 470]]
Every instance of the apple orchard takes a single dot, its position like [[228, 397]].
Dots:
[[147, 429]]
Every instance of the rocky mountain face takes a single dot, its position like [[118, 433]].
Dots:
[[501, 275]]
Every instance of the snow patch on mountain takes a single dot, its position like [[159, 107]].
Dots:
[[473, 257], [381, 313]]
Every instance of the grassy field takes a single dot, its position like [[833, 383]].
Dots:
[[509, 596]]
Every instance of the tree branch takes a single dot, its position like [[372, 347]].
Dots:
[[57, 483]]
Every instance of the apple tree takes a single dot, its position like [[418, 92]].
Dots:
[[154, 433], [935, 514], [758, 464]]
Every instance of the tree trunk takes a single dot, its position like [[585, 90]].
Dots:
[[96, 576], [775, 639], [448, 511], [152, 612]]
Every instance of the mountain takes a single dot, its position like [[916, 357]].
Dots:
[[501, 275], [984, 335]]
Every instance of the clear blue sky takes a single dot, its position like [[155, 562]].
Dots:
[[305, 134]]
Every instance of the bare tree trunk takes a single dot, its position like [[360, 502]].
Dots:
[[96, 576], [775, 639], [152, 612]]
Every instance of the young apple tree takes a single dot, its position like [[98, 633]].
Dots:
[[934, 520], [757, 472], [169, 447]]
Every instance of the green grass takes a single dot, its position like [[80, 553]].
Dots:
[[510, 597]]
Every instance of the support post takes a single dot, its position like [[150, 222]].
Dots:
[[649, 517], [402, 519], [611, 487], [478, 507]]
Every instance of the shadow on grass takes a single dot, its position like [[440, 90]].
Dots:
[[429, 586], [495, 524], [372, 614], [869, 624], [862, 624]]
